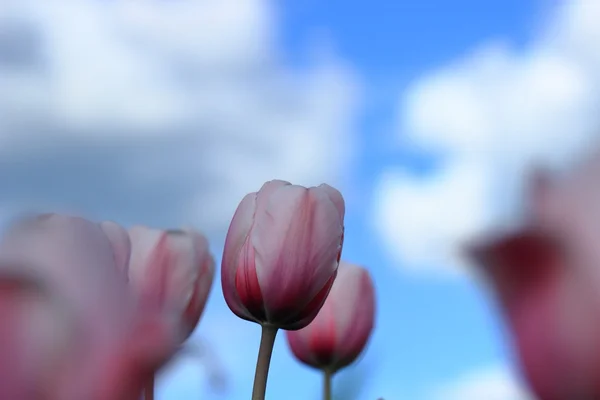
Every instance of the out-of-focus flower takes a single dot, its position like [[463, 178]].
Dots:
[[172, 270], [339, 333], [282, 253], [546, 275], [69, 318]]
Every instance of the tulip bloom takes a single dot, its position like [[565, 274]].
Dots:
[[69, 318], [172, 270], [338, 334], [282, 252], [545, 275], [280, 259]]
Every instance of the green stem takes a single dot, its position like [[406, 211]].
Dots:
[[267, 340], [149, 389], [327, 384]]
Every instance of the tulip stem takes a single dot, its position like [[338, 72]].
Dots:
[[327, 384], [149, 389], [267, 340]]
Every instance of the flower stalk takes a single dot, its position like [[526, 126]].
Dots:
[[267, 340], [327, 375], [149, 389]]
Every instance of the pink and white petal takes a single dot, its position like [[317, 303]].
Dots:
[[281, 239], [345, 297], [268, 188], [121, 244], [76, 258], [355, 336], [336, 198], [201, 293], [324, 335], [298, 342], [306, 313], [144, 241], [237, 235], [184, 268], [326, 240]]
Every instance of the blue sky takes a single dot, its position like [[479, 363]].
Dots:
[[425, 114]]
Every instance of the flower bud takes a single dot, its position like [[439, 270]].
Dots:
[[282, 253], [172, 270], [339, 333]]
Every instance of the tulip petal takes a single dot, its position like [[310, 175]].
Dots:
[[336, 198], [310, 311], [236, 237], [204, 280], [355, 319], [247, 285], [517, 261], [163, 267], [297, 239], [121, 244]]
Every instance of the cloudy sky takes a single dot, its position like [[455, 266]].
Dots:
[[424, 113]]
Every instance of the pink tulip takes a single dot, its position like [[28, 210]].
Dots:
[[69, 320], [172, 270], [546, 276], [282, 253], [339, 333]]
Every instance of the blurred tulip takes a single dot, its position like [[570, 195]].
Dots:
[[546, 276], [338, 334], [172, 270], [282, 252], [74, 330]]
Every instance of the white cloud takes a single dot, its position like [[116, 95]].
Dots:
[[495, 111], [491, 383], [178, 108], [419, 217]]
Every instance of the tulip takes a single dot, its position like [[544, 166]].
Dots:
[[69, 319], [173, 271], [545, 276], [339, 333], [280, 259]]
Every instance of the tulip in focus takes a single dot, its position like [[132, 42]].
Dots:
[[280, 259], [546, 275], [339, 333], [282, 253]]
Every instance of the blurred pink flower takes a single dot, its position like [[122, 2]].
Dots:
[[172, 270], [68, 318], [339, 333], [546, 276], [282, 252]]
